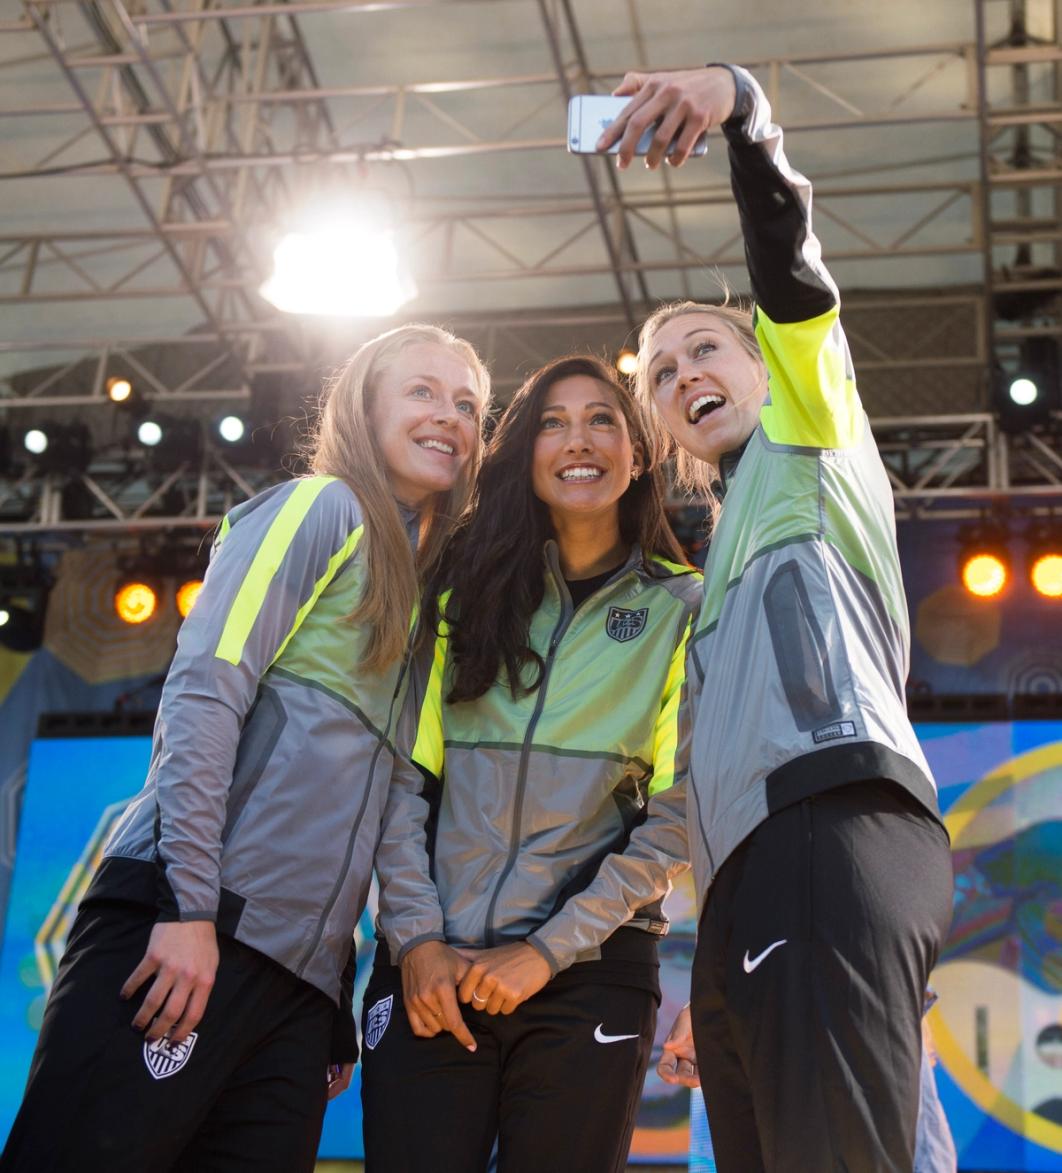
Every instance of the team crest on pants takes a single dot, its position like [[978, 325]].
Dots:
[[165, 1058], [623, 625], [376, 1021]]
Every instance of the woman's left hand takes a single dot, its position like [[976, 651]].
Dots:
[[499, 979]]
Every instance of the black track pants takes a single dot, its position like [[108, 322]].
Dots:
[[813, 954], [557, 1082], [250, 1095]]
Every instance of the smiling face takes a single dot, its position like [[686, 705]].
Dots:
[[707, 387], [583, 455], [425, 418]]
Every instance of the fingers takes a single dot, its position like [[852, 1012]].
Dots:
[[339, 1076], [687, 139], [665, 132], [193, 1012], [631, 84], [455, 1024], [163, 1006], [138, 977], [470, 985], [422, 1029], [677, 1071]]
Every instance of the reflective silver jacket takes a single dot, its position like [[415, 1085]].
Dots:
[[800, 652], [553, 816], [273, 746]]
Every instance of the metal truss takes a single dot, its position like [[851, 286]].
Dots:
[[944, 467]]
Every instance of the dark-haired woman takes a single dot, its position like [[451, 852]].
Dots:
[[525, 865]]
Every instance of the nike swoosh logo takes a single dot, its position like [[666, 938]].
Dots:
[[601, 1037], [751, 965]]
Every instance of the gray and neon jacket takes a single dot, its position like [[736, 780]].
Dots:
[[553, 816], [800, 653], [273, 746]]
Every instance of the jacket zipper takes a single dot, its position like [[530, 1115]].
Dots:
[[566, 617], [341, 879]]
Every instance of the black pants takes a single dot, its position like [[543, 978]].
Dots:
[[557, 1082], [812, 959], [249, 1094]]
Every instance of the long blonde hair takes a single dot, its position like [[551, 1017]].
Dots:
[[343, 445], [692, 475]]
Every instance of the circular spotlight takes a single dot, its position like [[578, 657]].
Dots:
[[135, 602], [35, 441], [149, 433], [187, 593], [984, 574], [231, 429], [627, 362], [1023, 392], [118, 389], [1045, 574], [5, 617]]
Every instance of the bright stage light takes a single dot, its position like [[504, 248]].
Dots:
[[984, 574], [1023, 392], [118, 389], [149, 433], [36, 441], [135, 602], [627, 362], [5, 617], [231, 429], [187, 593], [1045, 574], [343, 270]]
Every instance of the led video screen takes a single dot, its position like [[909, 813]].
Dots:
[[997, 1026]]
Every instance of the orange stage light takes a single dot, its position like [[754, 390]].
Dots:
[[135, 602]]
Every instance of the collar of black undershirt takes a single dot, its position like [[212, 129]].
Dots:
[[581, 589]]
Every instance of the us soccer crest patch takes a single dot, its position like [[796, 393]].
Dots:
[[164, 1058], [623, 625], [376, 1021]]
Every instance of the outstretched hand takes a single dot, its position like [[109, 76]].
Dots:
[[499, 979], [683, 104], [183, 957], [430, 974], [678, 1063]]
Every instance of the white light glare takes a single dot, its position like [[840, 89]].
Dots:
[[5, 617], [149, 433], [36, 441], [231, 429], [1023, 392], [339, 271]]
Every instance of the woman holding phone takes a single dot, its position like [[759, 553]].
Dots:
[[821, 864], [206, 985], [523, 864]]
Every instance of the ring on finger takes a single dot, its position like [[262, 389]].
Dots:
[[476, 998]]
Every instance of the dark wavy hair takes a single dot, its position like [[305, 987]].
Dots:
[[494, 567]]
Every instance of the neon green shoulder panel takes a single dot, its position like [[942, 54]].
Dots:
[[267, 561], [814, 401]]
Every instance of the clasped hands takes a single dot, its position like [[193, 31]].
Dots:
[[436, 977]]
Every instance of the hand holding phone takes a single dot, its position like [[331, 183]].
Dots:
[[676, 107], [591, 115]]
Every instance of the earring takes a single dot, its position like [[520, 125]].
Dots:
[[636, 472]]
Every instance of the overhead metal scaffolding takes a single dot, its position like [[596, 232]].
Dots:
[[212, 121]]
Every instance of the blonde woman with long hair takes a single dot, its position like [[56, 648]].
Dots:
[[822, 867], [201, 1015]]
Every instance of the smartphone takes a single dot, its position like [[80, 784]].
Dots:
[[590, 114]]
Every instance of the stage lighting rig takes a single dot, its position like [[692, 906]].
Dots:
[[59, 447], [24, 589], [1026, 395], [1045, 559], [169, 442], [984, 561]]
